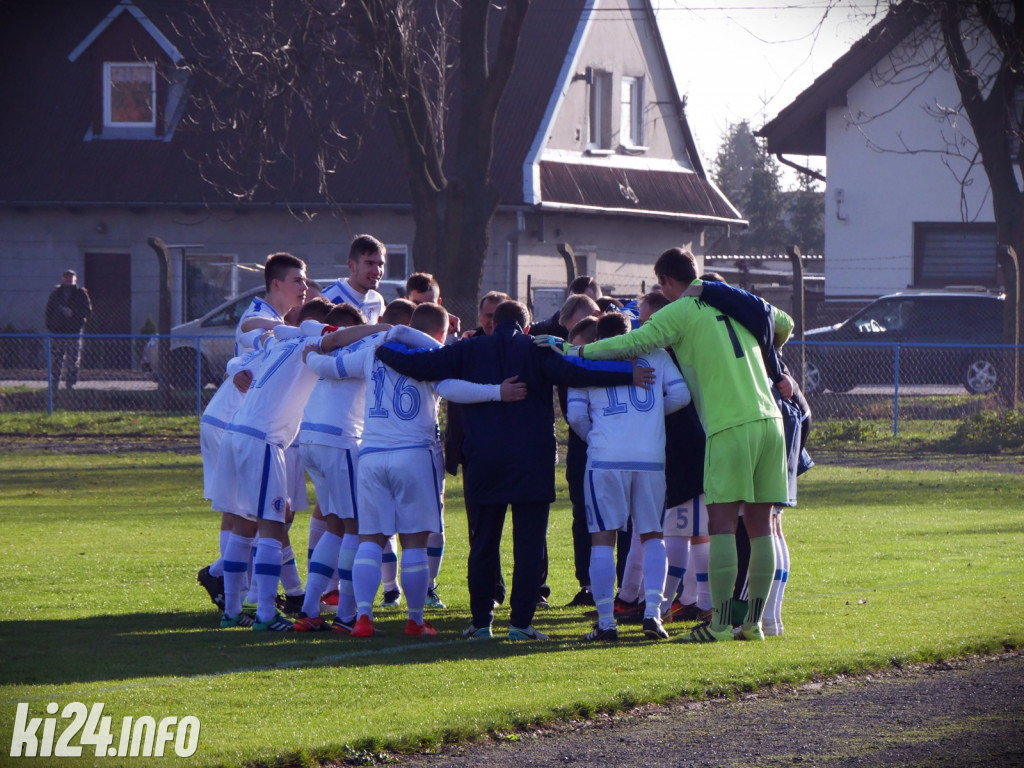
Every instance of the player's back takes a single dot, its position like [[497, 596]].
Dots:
[[628, 422], [272, 408]]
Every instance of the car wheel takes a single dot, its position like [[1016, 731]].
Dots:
[[981, 376]]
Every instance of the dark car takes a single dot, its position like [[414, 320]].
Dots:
[[940, 334]]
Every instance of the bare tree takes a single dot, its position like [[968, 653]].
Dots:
[[289, 88]]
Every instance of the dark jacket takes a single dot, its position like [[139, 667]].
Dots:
[[74, 297], [509, 448], [550, 327]]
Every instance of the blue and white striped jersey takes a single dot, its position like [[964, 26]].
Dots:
[[371, 304], [624, 426], [258, 308]]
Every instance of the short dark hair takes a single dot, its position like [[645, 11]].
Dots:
[[606, 302], [429, 318], [677, 263], [363, 244], [315, 309], [494, 296], [277, 264], [421, 282], [582, 283], [612, 324], [512, 311], [398, 312], [345, 314], [713, 277], [655, 300], [586, 325]]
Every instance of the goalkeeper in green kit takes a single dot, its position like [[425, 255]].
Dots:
[[745, 458]]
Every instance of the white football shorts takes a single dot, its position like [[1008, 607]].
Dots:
[[689, 519], [611, 495], [333, 472], [297, 494], [399, 490], [210, 438], [252, 480]]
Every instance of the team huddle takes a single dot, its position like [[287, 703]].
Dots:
[[685, 430]]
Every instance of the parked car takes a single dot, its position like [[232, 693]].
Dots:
[[216, 333], [942, 332]]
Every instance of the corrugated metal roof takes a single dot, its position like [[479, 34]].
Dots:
[[634, 192]]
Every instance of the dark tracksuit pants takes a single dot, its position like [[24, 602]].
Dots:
[[529, 534]]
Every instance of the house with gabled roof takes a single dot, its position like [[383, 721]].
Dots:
[[594, 162], [906, 204]]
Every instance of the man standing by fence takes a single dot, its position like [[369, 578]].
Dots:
[[67, 309]]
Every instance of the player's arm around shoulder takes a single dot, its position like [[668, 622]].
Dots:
[[664, 327], [674, 388], [577, 411], [783, 326]]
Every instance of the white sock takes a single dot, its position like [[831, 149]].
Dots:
[[217, 567], [435, 553], [655, 570], [250, 579], [236, 564], [267, 572], [633, 574], [290, 572], [317, 526], [677, 550], [346, 596], [389, 565], [602, 584], [366, 576], [321, 568], [415, 580], [699, 554], [782, 558]]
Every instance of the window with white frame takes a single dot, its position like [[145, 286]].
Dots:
[[631, 110], [129, 95], [599, 131], [397, 264]]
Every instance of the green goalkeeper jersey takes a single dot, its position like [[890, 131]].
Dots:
[[720, 360]]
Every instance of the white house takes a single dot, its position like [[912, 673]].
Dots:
[[904, 206]]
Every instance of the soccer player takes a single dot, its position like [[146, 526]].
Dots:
[[366, 257], [253, 452], [624, 427], [284, 276], [509, 453], [401, 479], [329, 436], [745, 460]]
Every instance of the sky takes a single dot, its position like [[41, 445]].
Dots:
[[738, 60]]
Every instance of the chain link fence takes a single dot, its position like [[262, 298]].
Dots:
[[873, 381], [843, 381]]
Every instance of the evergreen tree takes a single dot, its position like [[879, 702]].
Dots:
[[807, 216]]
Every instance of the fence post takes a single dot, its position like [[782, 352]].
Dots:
[[164, 319], [49, 377], [793, 251], [1007, 259], [896, 394], [199, 377]]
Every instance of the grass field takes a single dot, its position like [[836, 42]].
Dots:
[[99, 553]]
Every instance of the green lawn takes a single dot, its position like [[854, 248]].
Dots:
[[98, 556]]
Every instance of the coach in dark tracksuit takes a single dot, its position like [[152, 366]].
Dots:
[[509, 449]]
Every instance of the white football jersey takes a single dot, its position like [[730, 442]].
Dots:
[[272, 408], [624, 426], [228, 399], [371, 304], [259, 307], [402, 412], [335, 411]]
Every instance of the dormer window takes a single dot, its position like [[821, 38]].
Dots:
[[129, 95]]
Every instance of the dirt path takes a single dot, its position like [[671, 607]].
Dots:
[[967, 712]]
